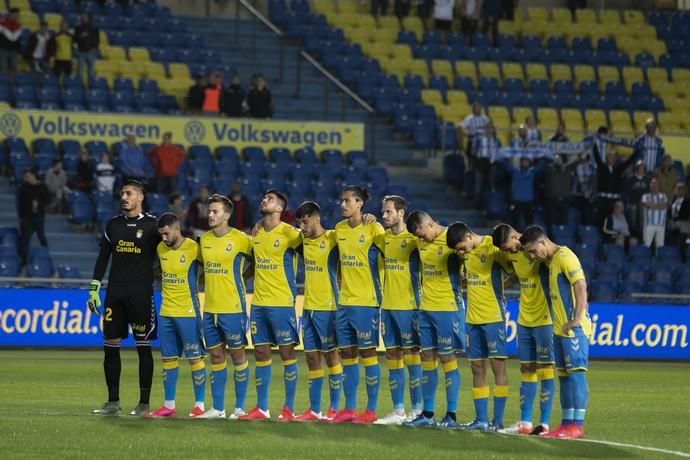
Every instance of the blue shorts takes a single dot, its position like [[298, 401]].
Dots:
[[318, 330], [275, 326], [486, 341], [535, 344], [441, 331], [572, 353], [357, 327], [180, 337], [399, 328], [228, 328]]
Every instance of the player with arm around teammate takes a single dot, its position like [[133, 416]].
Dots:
[[180, 318]]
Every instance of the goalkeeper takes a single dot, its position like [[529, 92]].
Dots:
[[131, 239]]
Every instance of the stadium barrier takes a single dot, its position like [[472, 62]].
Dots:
[[58, 318], [211, 131]]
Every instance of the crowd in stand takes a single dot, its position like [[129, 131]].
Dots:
[[210, 96], [639, 198]]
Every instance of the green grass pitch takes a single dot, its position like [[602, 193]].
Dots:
[[46, 398]]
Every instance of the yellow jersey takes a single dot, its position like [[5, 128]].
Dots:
[[180, 270], [564, 271], [440, 275], [275, 265], [225, 258], [485, 266], [401, 290], [361, 264], [534, 290], [63, 47], [321, 272]]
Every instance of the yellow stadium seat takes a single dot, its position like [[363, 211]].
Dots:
[[496, 112], [29, 20], [594, 119], [640, 118], [502, 124], [536, 27], [660, 87], [457, 98], [154, 70], [412, 23], [671, 122], [489, 69], [512, 70], [389, 22], [365, 21], [401, 52], [536, 71], [137, 54], [466, 69], [675, 103], [682, 88], [178, 70], [632, 75], [561, 72], [597, 32], [133, 72], [552, 29], [361, 36], [546, 113], [348, 6], [508, 27], [679, 75], [585, 16], [109, 78], [521, 113], [431, 96], [583, 73], [656, 48], [609, 17], [635, 17], [537, 14], [419, 67], [22, 5], [607, 74], [5, 105], [54, 20], [504, 136], [573, 120], [324, 7], [561, 15], [620, 122], [104, 67], [644, 32], [383, 35], [657, 74], [113, 53], [443, 68], [345, 20]]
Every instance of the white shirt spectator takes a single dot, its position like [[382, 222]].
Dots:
[[474, 124], [654, 219], [487, 147], [105, 177], [41, 45], [443, 9], [533, 134], [652, 150]]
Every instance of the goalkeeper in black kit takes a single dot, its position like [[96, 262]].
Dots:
[[130, 238]]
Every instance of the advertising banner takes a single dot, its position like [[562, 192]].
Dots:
[[58, 318]]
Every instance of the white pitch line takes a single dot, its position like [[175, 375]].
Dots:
[[635, 446]]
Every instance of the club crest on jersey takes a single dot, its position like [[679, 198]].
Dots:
[[361, 238], [440, 251], [403, 244], [183, 259], [139, 233], [322, 246], [482, 258], [228, 248], [276, 243]]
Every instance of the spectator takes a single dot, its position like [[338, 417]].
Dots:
[[610, 180], [131, 159], [680, 220], [574, 5], [655, 205], [533, 132], [32, 198], [470, 11], [522, 190], [402, 8], [473, 125], [56, 182], [616, 227], [559, 135], [484, 153], [241, 217], [584, 188], [197, 215], [234, 99], [520, 141], [84, 178], [443, 17], [177, 207], [491, 13], [666, 176], [558, 184], [195, 95], [64, 42], [166, 160], [10, 32], [105, 174], [651, 146], [424, 8], [508, 9], [40, 51], [212, 92], [87, 39], [637, 185], [379, 7], [259, 99]]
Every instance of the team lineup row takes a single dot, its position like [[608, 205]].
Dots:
[[360, 279]]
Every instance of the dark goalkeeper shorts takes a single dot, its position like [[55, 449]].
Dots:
[[125, 308]]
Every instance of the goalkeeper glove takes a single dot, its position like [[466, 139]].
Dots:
[[94, 298]]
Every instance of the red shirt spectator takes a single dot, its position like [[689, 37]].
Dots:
[[166, 160], [212, 94]]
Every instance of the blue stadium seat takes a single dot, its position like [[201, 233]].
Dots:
[[281, 156], [9, 266], [68, 272], [254, 155], [40, 268]]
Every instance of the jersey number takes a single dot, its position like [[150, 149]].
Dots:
[[252, 326], [108, 314]]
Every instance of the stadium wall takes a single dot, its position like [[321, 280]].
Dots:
[[58, 318]]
